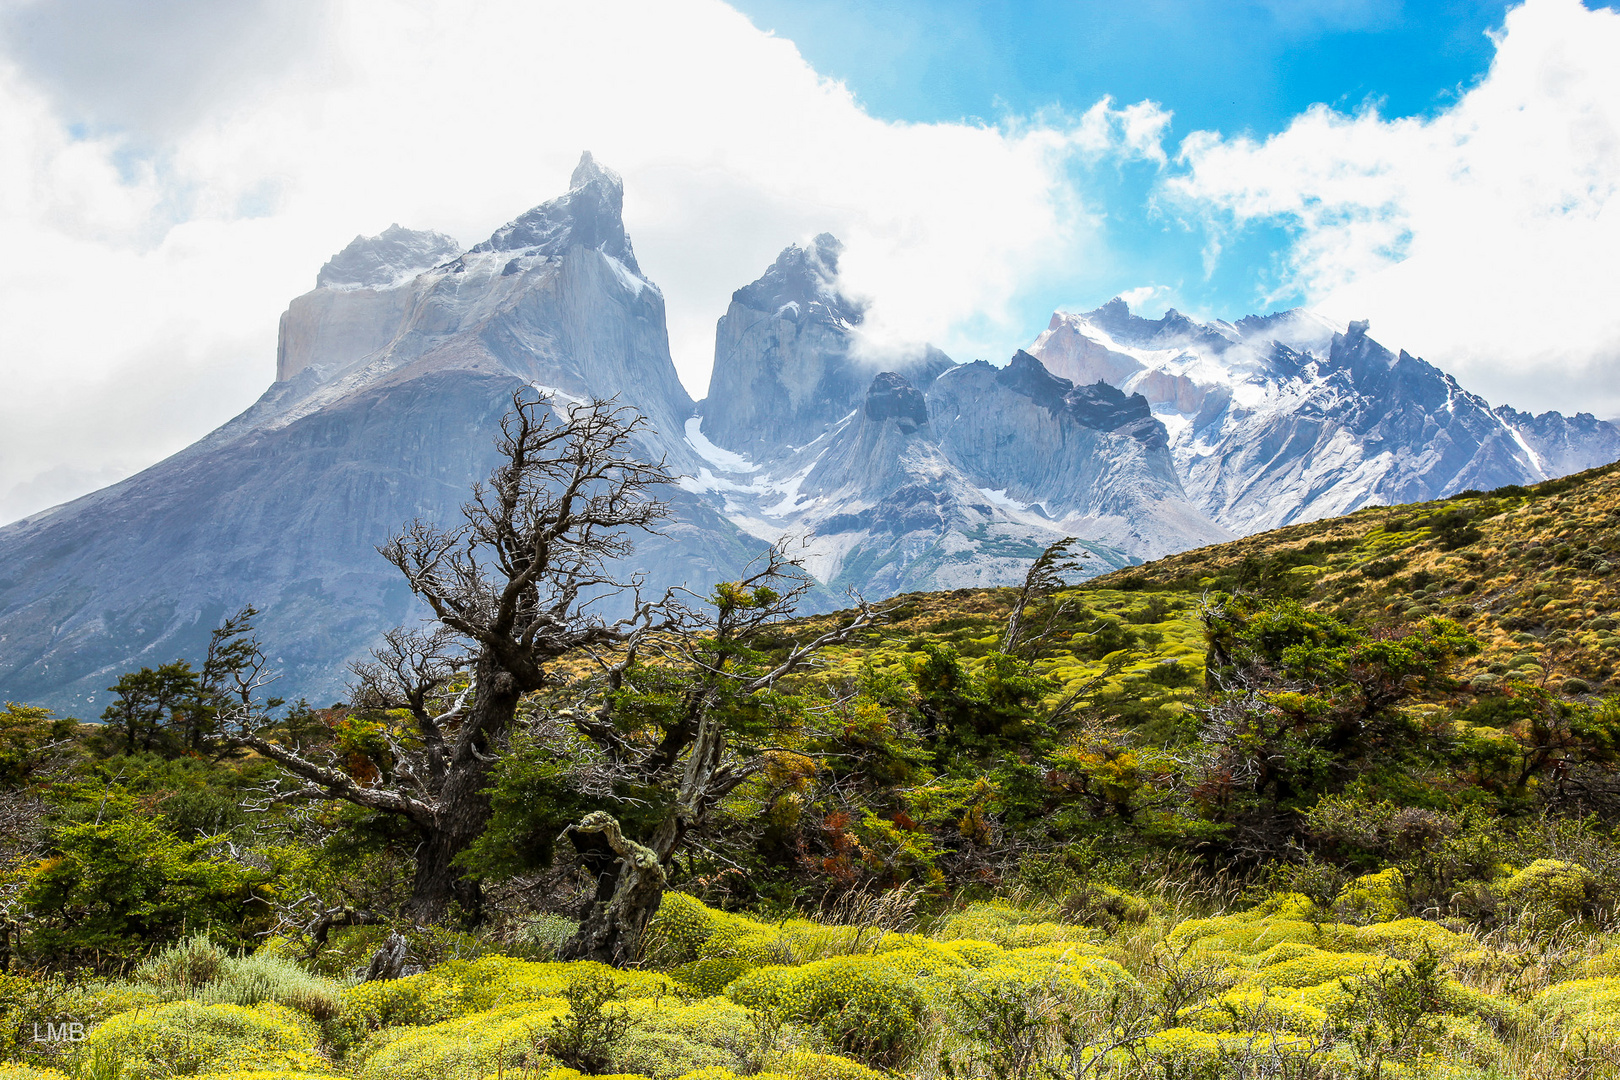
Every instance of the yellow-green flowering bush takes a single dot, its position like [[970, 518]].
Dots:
[[186, 1038], [25, 1002], [680, 929], [1379, 897], [467, 1048], [419, 999], [1248, 1008], [14, 1071], [1313, 968], [1550, 889], [667, 1039], [1408, 938], [804, 1065], [975, 954], [1250, 932], [1284, 950], [461, 987], [863, 1005], [712, 974], [1591, 1004], [499, 980], [1008, 926]]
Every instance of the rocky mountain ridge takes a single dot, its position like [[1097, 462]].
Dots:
[[1287, 418], [887, 470], [909, 471]]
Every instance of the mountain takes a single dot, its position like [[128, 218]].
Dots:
[[392, 375], [900, 471], [888, 470], [784, 364], [1287, 418]]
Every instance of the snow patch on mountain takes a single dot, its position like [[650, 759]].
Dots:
[[386, 261], [724, 460], [1289, 417]]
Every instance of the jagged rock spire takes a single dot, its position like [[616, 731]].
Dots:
[[591, 215]]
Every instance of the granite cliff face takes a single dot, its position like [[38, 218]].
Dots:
[[1288, 418], [1092, 458], [392, 376], [784, 363], [931, 475]]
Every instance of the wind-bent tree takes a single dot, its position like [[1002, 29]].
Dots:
[[174, 709], [683, 714], [150, 703], [1046, 576], [514, 587]]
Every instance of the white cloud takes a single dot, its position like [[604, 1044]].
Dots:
[[1485, 238], [147, 268], [1143, 295], [1135, 132]]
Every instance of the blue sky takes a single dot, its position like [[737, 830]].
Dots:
[[1225, 65]]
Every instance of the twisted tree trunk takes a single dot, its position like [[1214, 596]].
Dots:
[[628, 894], [462, 809]]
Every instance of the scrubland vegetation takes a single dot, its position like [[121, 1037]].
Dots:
[[1336, 801]]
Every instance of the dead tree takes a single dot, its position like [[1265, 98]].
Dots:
[[684, 710], [517, 585]]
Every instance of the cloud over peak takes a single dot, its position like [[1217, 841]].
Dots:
[[1486, 236]]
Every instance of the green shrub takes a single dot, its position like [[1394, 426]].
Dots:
[[1550, 889], [863, 1006], [185, 1038], [583, 1037], [122, 886]]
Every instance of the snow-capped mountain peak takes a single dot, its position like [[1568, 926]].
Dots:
[[590, 215], [802, 283], [1287, 417], [387, 260]]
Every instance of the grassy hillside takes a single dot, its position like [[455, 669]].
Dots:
[[1529, 571], [1336, 801]]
